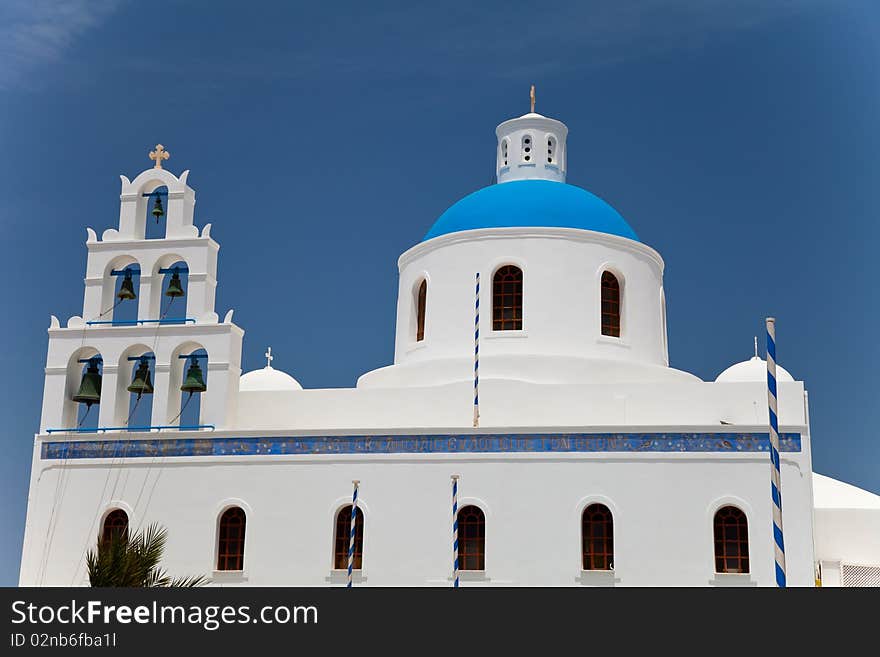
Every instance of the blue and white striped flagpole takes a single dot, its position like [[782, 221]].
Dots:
[[775, 477], [455, 479], [354, 506], [477, 355]]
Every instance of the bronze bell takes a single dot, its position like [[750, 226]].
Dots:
[[175, 289], [194, 381], [141, 384], [90, 387], [158, 211], [126, 290]]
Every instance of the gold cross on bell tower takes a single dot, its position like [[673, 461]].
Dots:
[[158, 155], [532, 99]]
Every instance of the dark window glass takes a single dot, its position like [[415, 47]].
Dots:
[[731, 541], [471, 538], [610, 305], [420, 316], [507, 299], [115, 524], [597, 538], [230, 552], [343, 537]]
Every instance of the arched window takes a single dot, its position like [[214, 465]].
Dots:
[[343, 537], [597, 538], [420, 311], [230, 549], [115, 524], [610, 305], [504, 148], [471, 538], [551, 149], [507, 299], [527, 148], [731, 541]]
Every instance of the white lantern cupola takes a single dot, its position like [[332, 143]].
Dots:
[[531, 147]]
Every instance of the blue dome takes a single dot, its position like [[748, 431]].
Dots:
[[532, 203]]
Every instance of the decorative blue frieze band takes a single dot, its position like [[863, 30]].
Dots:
[[425, 444]]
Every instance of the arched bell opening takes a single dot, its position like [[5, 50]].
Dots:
[[155, 213], [82, 394], [134, 396], [149, 188], [120, 292], [169, 294], [189, 382]]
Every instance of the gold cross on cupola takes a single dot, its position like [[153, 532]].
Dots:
[[532, 99], [158, 155]]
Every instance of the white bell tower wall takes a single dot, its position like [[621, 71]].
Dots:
[[95, 333]]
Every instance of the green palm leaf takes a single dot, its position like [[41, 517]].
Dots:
[[133, 560]]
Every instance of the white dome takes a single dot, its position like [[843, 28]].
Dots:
[[830, 493], [267, 379], [754, 369]]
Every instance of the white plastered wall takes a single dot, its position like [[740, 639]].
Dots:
[[663, 506]]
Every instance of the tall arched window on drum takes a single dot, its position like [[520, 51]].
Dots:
[[507, 299], [610, 305]]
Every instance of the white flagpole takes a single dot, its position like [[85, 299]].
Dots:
[[354, 505], [775, 477], [477, 354]]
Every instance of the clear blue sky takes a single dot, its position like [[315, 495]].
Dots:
[[739, 139]]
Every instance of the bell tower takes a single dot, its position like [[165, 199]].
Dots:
[[172, 346]]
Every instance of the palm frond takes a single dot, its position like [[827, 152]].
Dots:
[[132, 560]]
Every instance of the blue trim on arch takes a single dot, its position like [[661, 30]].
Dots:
[[422, 444]]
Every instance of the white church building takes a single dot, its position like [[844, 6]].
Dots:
[[586, 461]]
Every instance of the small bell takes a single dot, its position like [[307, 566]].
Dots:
[[194, 381], [175, 289], [126, 290], [141, 384], [90, 387], [157, 210]]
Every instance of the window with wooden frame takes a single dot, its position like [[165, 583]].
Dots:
[[471, 538], [507, 299], [230, 548], [610, 305], [731, 541], [115, 524], [343, 536], [421, 304], [597, 538]]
